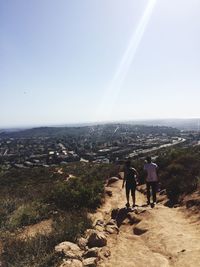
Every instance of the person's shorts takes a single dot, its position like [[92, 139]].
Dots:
[[130, 187]]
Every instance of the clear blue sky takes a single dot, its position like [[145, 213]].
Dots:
[[65, 61]]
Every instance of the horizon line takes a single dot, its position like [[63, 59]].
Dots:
[[68, 124]]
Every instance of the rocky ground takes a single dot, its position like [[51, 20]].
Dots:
[[157, 237]]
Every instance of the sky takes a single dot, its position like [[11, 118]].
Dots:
[[73, 61]]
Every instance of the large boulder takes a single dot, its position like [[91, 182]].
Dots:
[[96, 239], [69, 249]]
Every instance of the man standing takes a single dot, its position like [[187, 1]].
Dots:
[[151, 179], [130, 176]]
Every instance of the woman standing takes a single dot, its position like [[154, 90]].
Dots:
[[130, 179]]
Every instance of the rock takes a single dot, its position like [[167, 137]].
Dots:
[[82, 243], [112, 229], [112, 180], [96, 239], [70, 250], [90, 262], [88, 232], [133, 218], [108, 192], [107, 253], [176, 206], [99, 228], [192, 202], [139, 230], [111, 222], [91, 253], [99, 222], [104, 253], [71, 262]]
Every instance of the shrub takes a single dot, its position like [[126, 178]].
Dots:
[[76, 194], [27, 214], [179, 172]]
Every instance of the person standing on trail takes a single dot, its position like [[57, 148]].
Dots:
[[130, 176], [151, 179]]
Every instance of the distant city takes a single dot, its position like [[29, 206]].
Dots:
[[103, 143]]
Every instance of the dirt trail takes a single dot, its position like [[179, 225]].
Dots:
[[161, 237]]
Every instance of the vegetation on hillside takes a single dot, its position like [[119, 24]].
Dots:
[[179, 171], [63, 194], [66, 193]]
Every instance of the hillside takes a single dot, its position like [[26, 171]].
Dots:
[[95, 130], [41, 207]]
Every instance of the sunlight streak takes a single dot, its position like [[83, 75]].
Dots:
[[112, 91]]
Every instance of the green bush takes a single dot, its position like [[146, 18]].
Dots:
[[76, 194], [27, 214], [179, 172]]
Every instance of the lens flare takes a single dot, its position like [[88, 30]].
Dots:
[[113, 89]]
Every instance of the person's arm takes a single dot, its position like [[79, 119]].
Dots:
[[136, 172], [136, 175]]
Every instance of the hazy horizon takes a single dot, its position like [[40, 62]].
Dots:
[[165, 121], [71, 62]]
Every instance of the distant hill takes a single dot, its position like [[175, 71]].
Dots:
[[181, 124], [95, 131]]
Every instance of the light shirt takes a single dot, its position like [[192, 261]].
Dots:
[[151, 172]]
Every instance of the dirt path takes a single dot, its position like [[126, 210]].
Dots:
[[161, 237]]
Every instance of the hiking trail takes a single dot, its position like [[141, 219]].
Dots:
[[153, 237]]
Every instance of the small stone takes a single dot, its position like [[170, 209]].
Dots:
[[90, 262], [112, 229], [82, 243], [99, 228], [111, 222], [139, 231]]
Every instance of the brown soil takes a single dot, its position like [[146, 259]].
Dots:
[[161, 237], [42, 228]]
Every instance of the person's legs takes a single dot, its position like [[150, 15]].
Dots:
[[127, 194], [154, 189], [133, 195], [148, 193]]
